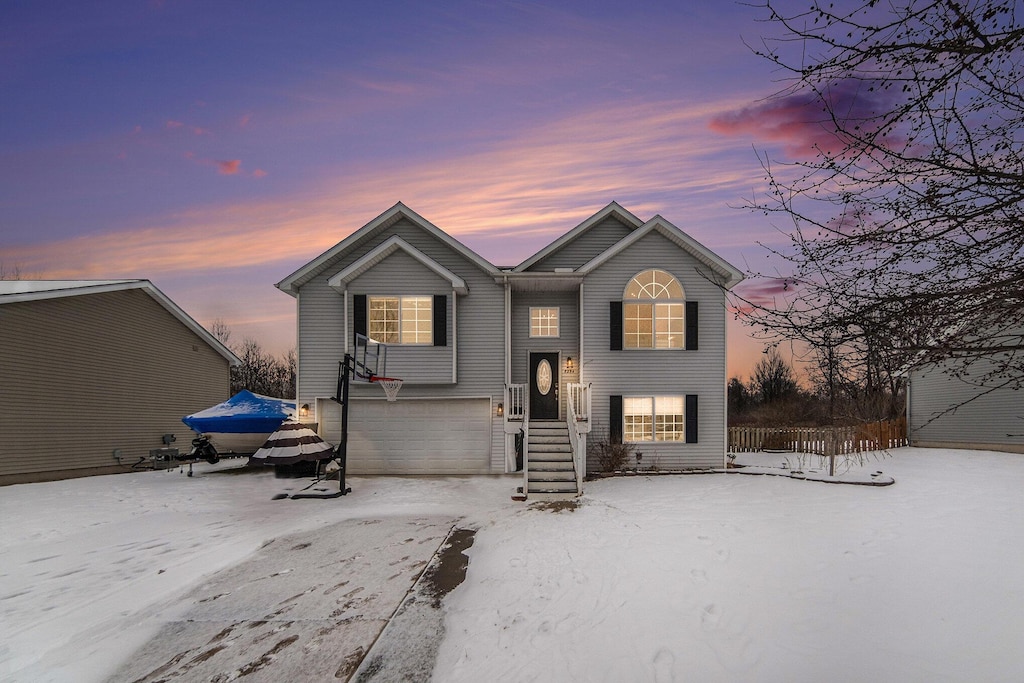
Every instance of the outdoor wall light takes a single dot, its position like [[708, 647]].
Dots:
[[304, 410], [568, 364], [501, 409]]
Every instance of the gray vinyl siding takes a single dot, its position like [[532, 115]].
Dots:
[[566, 344], [402, 275], [658, 372], [85, 375], [321, 340], [581, 250], [478, 331], [994, 421]]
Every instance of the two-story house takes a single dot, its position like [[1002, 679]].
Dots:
[[616, 330]]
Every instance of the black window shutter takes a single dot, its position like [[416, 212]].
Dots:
[[440, 320], [615, 419], [359, 314], [691, 325], [615, 325], [691, 418]]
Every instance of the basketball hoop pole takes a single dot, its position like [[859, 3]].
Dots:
[[347, 368]]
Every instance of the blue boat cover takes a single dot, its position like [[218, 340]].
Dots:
[[243, 413]]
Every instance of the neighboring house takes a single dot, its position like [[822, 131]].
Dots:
[[950, 412], [615, 330], [95, 373]]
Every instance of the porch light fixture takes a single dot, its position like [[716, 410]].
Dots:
[[568, 364], [304, 410], [501, 409]]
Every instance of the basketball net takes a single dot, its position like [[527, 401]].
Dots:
[[391, 386]]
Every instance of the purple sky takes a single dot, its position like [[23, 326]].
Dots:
[[215, 147]]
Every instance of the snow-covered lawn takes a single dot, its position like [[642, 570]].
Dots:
[[716, 577]]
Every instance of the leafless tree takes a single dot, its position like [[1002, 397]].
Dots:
[[773, 378], [221, 331], [906, 217], [10, 272], [260, 372]]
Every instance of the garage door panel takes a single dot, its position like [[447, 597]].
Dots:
[[414, 436]]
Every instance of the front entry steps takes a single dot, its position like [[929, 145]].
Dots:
[[550, 475]]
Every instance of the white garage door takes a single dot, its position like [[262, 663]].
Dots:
[[413, 436]]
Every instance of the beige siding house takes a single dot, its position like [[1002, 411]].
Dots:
[[614, 331], [94, 373]]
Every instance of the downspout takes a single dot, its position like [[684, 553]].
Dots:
[[579, 379], [725, 390], [298, 358], [344, 323], [455, 338], [579, 351], [508, 331], [509, 440], [907, 410]]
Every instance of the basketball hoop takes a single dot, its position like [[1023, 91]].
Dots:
[[391, 386]]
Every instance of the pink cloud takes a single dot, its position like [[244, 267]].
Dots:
[[550, 179], [801, 121], [223, 166], [195, 130], [762, 292], [244, 121]]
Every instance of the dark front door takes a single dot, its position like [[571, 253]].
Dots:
[[543, 386]]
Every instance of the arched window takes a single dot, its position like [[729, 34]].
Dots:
[[653, 304]]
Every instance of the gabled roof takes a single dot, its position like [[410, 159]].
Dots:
[[290, 284], [612, 210], [14, 291], [730, 274], [385, 249]]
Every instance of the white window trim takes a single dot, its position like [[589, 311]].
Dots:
[[558, 322], [654, 325], [654, 419], [653, 303], [400, 297]]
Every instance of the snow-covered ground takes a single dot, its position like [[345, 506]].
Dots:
[[713, 577]]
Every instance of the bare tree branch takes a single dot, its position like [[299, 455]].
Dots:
[[907, 238]]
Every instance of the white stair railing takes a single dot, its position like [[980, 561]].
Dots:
[[578, 413], [516, 405], [515, 402]]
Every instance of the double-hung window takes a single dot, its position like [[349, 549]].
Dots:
[[653, 305], [401, 319], [653, 418]]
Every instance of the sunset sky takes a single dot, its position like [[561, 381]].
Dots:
[[215, 147]]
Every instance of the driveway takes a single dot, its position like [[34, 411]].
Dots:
[[310, 606]]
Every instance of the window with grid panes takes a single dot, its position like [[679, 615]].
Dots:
[[401, 319], [653, 418], [543, 322], [652, 313]]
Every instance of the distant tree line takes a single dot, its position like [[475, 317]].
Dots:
[[260, 372], [773, 397]]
